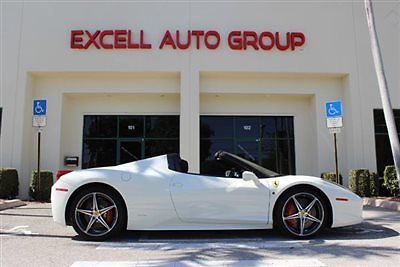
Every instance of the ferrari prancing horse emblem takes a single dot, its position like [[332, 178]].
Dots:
[[275, 183]]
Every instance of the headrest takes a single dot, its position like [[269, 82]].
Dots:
[[184, 166]]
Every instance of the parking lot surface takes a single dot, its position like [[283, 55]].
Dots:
[[29, 237]]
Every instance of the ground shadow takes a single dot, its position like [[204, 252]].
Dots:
[[361, 231], [254, 244]]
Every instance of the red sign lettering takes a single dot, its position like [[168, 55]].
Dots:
[[107, 39], [167, 40], [76, 40], [103, 35], [266, 40], [234, 40], [297, 39], [212, 35], [211, 40], [238, 40]]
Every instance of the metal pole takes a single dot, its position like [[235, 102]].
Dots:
[[336, 159], [383, 88], [38, 158]]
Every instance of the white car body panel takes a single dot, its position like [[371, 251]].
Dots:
[[158, 198], [219, 200]]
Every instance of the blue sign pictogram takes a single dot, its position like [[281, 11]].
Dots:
[[333, 109], [39, 107]]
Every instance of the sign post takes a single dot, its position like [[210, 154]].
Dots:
[[334, 122], [39, 121], [38, 156]]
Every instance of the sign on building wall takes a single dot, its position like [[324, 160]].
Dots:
[[334, 116], [39, 113], [181, 40], [333, 109]]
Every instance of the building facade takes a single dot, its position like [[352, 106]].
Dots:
[[130, 80]]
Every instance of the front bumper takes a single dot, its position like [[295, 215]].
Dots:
[[349, 212], [60, 193]]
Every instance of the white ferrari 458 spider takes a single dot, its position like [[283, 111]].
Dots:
[[159, 194]]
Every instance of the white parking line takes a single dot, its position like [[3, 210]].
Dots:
[[200, 244], [197, 263], [18, 230]]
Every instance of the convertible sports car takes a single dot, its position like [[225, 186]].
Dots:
[[159, 194]]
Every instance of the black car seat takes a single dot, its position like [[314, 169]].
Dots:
[[175, 163], [184, 166]]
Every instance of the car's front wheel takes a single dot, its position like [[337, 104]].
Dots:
[[97, 213], [301, 212]]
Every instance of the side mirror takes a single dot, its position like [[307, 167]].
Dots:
[[249, 176]]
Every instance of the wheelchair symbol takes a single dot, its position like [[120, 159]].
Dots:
[[332, 110], [39, 108]]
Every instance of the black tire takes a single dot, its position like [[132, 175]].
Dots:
[[288, 218], [83, 213]]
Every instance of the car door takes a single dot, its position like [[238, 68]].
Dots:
[[219, 200]]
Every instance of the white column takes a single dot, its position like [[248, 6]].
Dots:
[[353, 125], [22, 133], [189, 119]]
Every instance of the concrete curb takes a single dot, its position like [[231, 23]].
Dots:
[[381, 203], [13, 203]]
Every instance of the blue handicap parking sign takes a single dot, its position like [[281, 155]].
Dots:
[[39, 107], [333, 109]]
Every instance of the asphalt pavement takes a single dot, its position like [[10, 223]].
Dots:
[[29, 237]]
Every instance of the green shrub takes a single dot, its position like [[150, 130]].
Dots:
[[374, 183], [8, 183], [390, 180], [41, 191], [331, 176], [359, 182]]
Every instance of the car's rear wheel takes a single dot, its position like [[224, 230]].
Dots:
[[301, 212], [97, 213]]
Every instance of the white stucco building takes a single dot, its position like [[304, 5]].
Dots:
[[110, 75]]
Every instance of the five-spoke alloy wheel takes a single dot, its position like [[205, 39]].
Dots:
[[97, 213], [301, 212]]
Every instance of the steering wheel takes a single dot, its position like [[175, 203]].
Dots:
[[232, 173]]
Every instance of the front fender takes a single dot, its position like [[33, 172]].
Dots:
[[343, 212]]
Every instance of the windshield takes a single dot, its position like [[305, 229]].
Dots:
[[260, 171]]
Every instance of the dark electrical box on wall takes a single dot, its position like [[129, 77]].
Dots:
[[71, 161]]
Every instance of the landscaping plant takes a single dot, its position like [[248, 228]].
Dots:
[[331, 176], [390, 180], [41, 191], [8, 183]]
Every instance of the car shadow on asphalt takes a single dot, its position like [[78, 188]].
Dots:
[[197, 246], [363, 231]]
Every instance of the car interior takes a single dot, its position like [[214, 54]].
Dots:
[[224, 164], [217, 167]]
